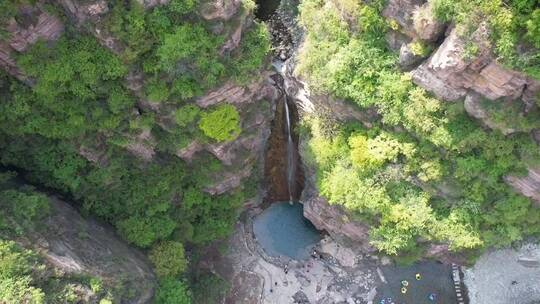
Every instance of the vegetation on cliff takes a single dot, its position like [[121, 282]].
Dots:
[[424, 171], [72, 127]]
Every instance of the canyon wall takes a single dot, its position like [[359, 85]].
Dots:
[[452, 74], [77, 246], [254, 100]]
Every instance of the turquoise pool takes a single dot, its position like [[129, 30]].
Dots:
[[282, 230]]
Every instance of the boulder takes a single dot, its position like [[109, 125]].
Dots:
[[528, 185], [396, 39], [451, 71], [426, 26], [495, 82], [334, 220], [407, 58], [402, 11], [427, 79]]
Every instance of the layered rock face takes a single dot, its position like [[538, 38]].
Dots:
[[452, 71], [528, 185], [79, 246], [255, 102], [38, 25], [452, 74], [337, 223], [449, 74]]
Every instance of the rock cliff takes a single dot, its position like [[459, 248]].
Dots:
[[77, 247], [253, 100], [37, 24], [452, 72]]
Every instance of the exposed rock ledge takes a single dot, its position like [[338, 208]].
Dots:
[[47, 27], [220, 9], [452, 70], [336, 222], [85, 247], [449, 73], [474, 108], [528, 185]]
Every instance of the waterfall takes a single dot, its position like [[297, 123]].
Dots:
[[291, 168]]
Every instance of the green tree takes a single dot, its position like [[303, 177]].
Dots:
[[221, 124], [186, 115], [168, 259], [16, 281], [171, 291]]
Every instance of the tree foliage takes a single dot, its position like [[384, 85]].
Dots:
[[425, 171], [168, 259], [221, 123]]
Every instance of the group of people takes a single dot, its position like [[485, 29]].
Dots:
[[404, 288]]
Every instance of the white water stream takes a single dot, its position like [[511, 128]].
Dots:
[[291, 166]]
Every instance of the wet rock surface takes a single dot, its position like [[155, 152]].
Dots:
[[259, 278]]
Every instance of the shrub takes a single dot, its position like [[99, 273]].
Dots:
[[16, 267], [24, 209], [171, 291], [143, 231], [221, 124], [182, 6], [192, 48], [533, 28], [186, 115], [420, 48], [209, 288], [157, 90], [168, 259], [252, 53]]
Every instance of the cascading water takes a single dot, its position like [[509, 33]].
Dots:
[[291, 167]]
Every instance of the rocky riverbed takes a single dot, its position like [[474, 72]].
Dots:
[[334, 275]]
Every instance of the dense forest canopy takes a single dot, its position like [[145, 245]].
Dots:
[[79, 98], [424, 170]]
